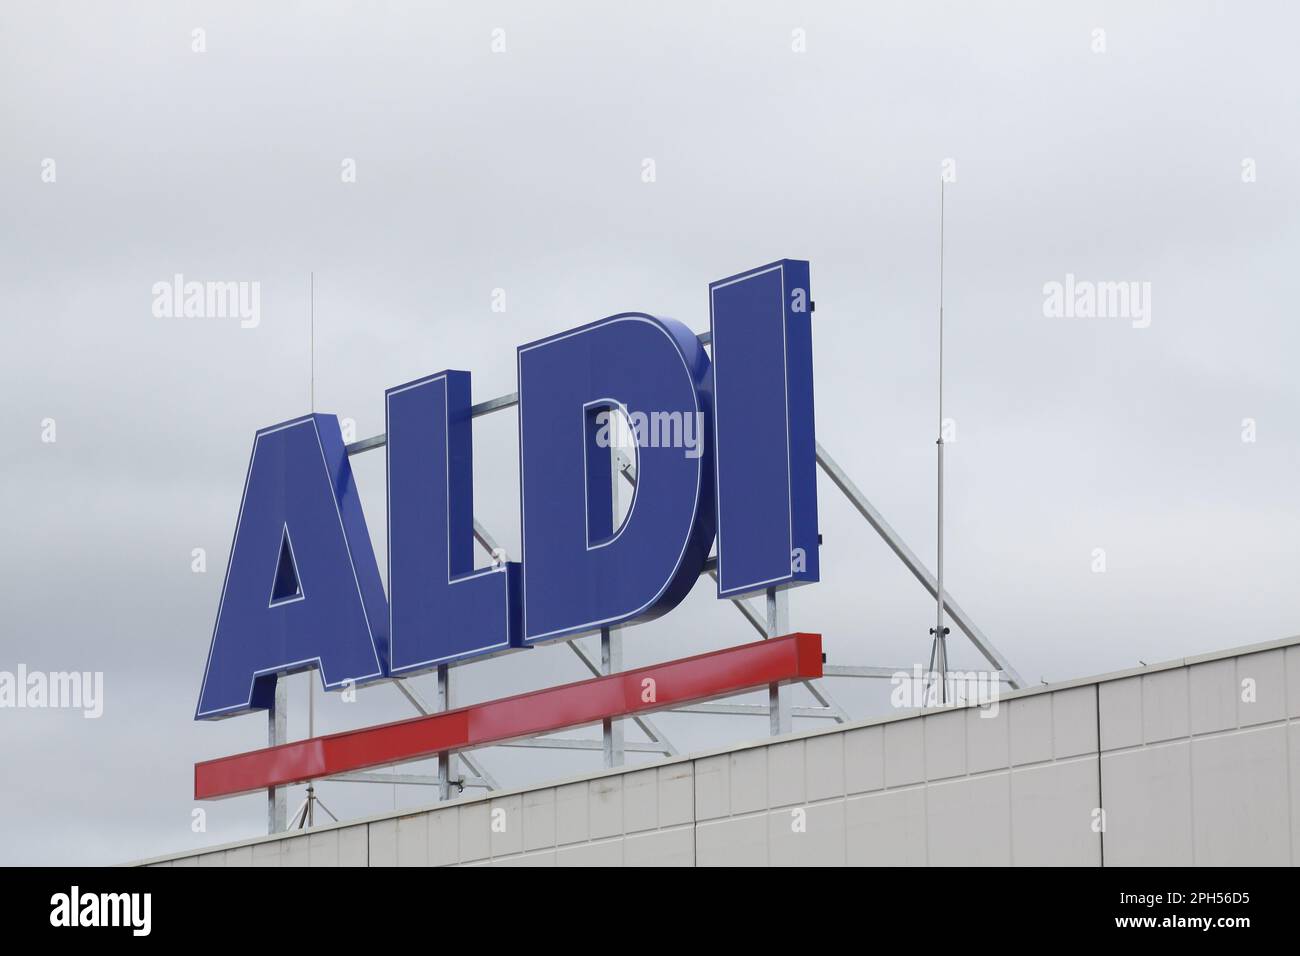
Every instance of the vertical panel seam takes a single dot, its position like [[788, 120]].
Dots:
[[1101, 798]]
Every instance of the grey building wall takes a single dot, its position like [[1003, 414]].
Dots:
[[1194, 762]]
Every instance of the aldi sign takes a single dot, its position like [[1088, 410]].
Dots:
[[723, 449]]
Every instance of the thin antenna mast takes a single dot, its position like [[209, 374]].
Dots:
[[305, 816], [939, 650], [311, 295]]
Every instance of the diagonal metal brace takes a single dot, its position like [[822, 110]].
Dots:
[[896, 544]]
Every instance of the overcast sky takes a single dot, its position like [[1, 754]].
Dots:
[[1122, 156]]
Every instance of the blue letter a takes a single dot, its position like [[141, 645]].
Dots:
[[302, 588]]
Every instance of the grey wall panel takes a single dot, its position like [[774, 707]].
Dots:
[[676, 784], [1292, 666], [1053, 818], [294, 852], [604, 853], [605, 807], [712, 787], [905, 752], [1293, 760], [886, 828], [507, 826], [674, 847], [945, 745], [413, 840], [1121, 713], [1074, 722], [1213, 687], [814, 835], [824, 767], [1031, 729], [749, 780], [239, 856], [354, 846], [539, 819], [264, 854], [1265, 701], [382, 840], [1147, 799], [864, 759], [571, 818], [444, 837], [641, 801], [968, 821], [734, 841], [323, 848], [988, 739], [1240, 806], [786, 774], [475, 831]]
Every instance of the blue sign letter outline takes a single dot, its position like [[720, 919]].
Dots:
[[459, 504], [698, 533], [352, 528], [799, 475]]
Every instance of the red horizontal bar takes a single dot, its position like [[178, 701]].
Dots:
[[690, 679]]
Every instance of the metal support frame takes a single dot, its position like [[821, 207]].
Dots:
[[305, 816], [778, 696], [661, 743], [611, 730], [481, 777], [779, 709], [611, 638], [446, 760], [277, 732], [407, 779], [581, 743], [896, 544], [881, 673]]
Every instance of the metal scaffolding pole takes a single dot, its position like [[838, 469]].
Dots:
[[611, 638], [277, 727], [778, 695], [611, 662], [446, 759]]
